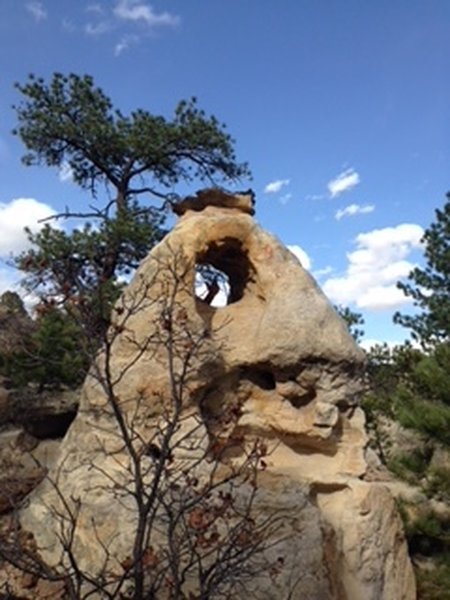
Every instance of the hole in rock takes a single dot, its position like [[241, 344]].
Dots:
[[343, 405], [222, 273], [262, 378], [303, 399], [51, 426]]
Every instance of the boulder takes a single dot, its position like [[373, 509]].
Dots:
[[43, 414], [277, 358]]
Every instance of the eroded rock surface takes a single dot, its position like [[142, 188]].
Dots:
[[277, 352]]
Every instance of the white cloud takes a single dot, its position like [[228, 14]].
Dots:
[[275, 186], [98, 28], [354, 209], [322, 272], [14, 216], [135, 10], [368, 343], [301, 256], [68, 25], [133, 13], [37, 10], [344, 182], [65, 172], [125, 42], [8, 279], [285, 198], [374, 268]]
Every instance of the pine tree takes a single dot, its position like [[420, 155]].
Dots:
[[135, 160], [430, 287]]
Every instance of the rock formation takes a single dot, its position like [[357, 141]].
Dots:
[[275, 356], [15, 324]]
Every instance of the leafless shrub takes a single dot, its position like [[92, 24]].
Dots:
[[192, 490]]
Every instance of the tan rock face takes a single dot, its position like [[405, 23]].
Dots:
[[276, 351], [373, 561]]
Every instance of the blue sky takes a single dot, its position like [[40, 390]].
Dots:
[[341, 108]]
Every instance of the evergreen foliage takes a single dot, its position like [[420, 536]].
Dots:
[[57, 355], [70, 123], [412, 387], [353, 320], [430, 287], [50, 354]]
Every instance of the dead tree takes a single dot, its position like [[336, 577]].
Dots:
[[191, 480]]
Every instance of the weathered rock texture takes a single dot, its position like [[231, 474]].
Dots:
[[15, 324], [31, 426], [280, 353]]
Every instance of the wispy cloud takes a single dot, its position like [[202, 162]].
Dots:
[[318, 273], [301, 256], [130, 20], [368, 343], [135, 10], [379, 261], [124, 43], [275, 186], [354, 209], [285, 198], [344, 182], [68, 26], [37, 10], [98, 28]]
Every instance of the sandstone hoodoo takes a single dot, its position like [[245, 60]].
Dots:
[[226, 373]]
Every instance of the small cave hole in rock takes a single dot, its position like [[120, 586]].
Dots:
[[303, 399], [222, 273], [262, 378]]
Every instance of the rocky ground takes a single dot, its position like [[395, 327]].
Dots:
[[32, 425]]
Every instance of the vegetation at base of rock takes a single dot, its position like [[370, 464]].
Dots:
[[47, 351], [407, 386], [428, 535], [434, 583], [132, 160], [410, 466], [411, 386]]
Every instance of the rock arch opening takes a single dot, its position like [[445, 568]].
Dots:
[[222, 273]]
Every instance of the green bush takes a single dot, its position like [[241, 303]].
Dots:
[[52, 355], [434, 584], [428, 536], [412, 466], [432, 375], [438, 483], [430, 418]]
